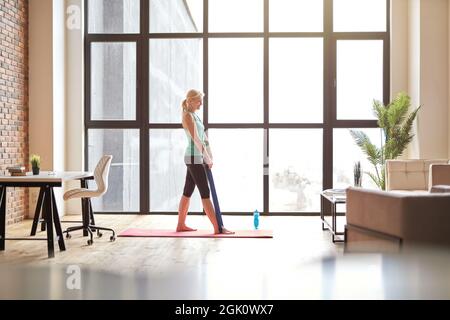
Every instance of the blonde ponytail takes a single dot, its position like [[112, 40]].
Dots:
[[184, 105], [191, 95]]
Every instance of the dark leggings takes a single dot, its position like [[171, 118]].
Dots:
[[196, 176]]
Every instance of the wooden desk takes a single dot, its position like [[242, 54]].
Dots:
[[46, 182]]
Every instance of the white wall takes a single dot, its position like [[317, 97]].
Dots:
[[433, 125], [414, 51], [399, 47], [449, 87], [75, 91], [41, 81], [41, 86], [56, 91], [420, 29], [59, 92], [74, 140]]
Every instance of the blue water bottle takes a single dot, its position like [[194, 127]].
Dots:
[[256, 219]]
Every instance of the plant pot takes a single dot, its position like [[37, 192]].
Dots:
[[35, 170]]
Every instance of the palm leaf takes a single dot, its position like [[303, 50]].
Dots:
[[374, 178], [404, 136], [406, 129], [380, 112], [363, 141], [398, 110], [383, 178]]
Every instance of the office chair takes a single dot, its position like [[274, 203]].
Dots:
[[101, 174]]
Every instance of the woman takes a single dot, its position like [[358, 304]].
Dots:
[[198, 154]]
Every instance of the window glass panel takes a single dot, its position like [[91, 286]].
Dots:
[[359, 78], [175, 67], [113, 16], [238, 168], [296, 15], [236, 76], [123, 187], [346, 153], [168, 171], [295, 170], [296, 80], [176, 16], [359, 15], [236, 16], [113, 81]]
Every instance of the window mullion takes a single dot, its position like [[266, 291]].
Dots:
[[329, 94], [143, 108]]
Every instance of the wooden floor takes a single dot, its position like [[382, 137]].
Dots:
[[300, 262], [227, 268]]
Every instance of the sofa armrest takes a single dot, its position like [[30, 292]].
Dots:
[[375, 210], [439, 175]]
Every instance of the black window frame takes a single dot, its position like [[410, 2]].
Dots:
[[143, 121]]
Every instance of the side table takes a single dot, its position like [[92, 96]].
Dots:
[[334, 198]]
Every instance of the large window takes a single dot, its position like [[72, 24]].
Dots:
[[296, 80], [285, 81]]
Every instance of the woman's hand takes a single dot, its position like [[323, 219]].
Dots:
[[208, 161]]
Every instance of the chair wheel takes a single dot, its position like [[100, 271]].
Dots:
[[99, 234], [90, 242], [112, 238], [68, 236]]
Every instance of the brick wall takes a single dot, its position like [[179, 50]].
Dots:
[[14, 98]]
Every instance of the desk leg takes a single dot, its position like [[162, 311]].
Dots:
[[2, 217], [57, 221], [49, 221], [84, 209], [37, 212], [43, 215]]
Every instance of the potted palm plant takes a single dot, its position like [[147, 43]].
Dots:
[[396, 124], [35, 164]]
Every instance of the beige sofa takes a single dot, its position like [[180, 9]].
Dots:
[[384, 220], [416, 175], [407, 213]]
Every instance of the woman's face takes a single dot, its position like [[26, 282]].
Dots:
[[196, 104]]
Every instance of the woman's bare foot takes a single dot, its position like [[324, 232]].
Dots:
[[185, 229], [226, 231]]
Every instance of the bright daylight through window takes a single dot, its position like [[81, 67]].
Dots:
[[284, 82]]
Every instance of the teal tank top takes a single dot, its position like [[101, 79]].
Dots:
[[191, 149]]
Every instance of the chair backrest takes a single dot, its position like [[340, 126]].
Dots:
[[101, 174], [409, 174]]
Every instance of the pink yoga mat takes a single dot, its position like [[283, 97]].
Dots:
[[146, 233]]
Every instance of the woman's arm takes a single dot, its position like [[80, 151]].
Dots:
[[190, 125], [208, 145]]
